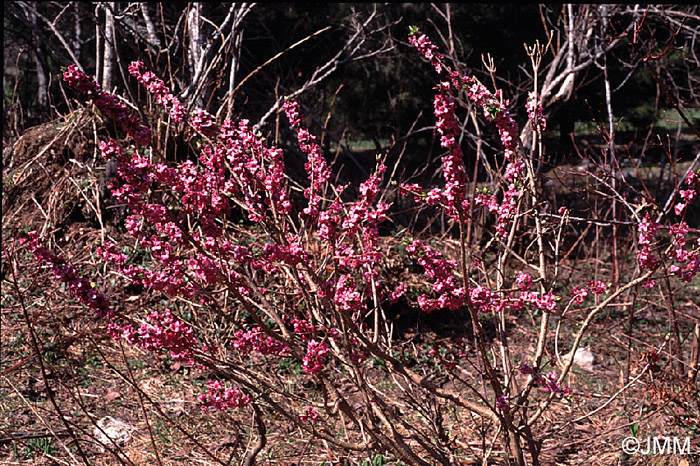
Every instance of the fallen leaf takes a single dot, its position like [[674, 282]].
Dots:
[[111, 395]]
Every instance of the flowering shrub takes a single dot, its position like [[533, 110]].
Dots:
[[309, 291]]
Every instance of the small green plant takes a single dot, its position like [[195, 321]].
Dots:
[[39, 445], [378, 460], [290, 366], [634, 428], [137, 364], [378, 363]]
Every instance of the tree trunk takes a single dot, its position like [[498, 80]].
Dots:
[[195, 45], [108, 61], [42, 82]]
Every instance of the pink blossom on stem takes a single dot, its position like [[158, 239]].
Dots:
[[108, 103], [165, 332], [428, 50], [534, 111], [219, 397], [647, 229], [82, 289], [526, 369], [159, 90], [502, 402], [647, 259], [256, 340], [523, 281], [550, 383], [347, 298], [545, 302], [309, 415], [317, 168], [578, 295], [397, 293], [597, 287], [435, 267], [315, 357]]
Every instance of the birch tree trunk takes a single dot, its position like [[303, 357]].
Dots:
[[42, 81], [78, 31], [108, 61], [98, 45], [195, 45]]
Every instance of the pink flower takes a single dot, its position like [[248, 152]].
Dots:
[[679, 208], [578, 295], [303, 328], [449, 294], [526, 369], [523, 281], [502, 402], [647, 259], [82, 289], [428, 50], [597, 287], [219, 397], [687, 195], [647, 229], [549, 382], [256, 340], [159, 90], [315, 357], [546, 302], [316, 167], [534, 111], [482, 298], [347, 298], [309, 415], [165, 332], [397, 293], [108, 103]]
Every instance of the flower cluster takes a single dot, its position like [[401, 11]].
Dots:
[[258, 171], [687, 195], [428, 50], [309, 415], [534, 111], [439, 270], [453, 197], [597, 287], [219, 397], [548, 381], [523, 281], [108, 103], [317, 168], [83, 290], [543, 301], [347, 298], [256, 340], [163, 331], [578, 295], [203, 123], [303, 328], [159, 90], [494, 108], [647, 229], [685, 264], [315, 357]]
